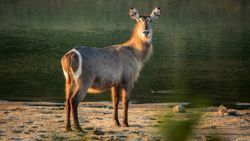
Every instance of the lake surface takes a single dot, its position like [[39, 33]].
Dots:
[[201, 47]]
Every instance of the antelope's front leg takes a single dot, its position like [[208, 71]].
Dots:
[[126, 91], [115, 99]]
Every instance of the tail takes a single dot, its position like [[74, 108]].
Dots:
[[66, 67]]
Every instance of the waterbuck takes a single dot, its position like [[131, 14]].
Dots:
[[117, 67]]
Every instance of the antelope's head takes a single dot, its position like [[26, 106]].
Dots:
[[143, 27]]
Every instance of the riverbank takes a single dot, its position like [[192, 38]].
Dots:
[[45, 121]]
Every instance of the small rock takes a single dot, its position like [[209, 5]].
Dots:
[[46, 112], [2, 122], [16, 139], [32, 130], [98, 118], [83, 133], [137, 132], [243, 127], [200, 138], [110, 138], [222, 110], [160, 121], [232, 113], [178, 109], [88, 128], [121, 136], [2, 133], [58, 116], [5, 112], [98, 131], [111, 132], [43, 136], [126, 130], [152, 118], [109, 107], [26, 132], [38, 139], [60, 121], [213, 126], [21, 126], [18, 109], [42, 131], [208, 138], [156, 138], [57, 108], [95, 138], [17, 130], [29, 121], [107, 113]]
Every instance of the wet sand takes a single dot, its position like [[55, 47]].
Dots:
[[46, 121]]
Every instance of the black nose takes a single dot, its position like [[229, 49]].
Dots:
[[146, 32]]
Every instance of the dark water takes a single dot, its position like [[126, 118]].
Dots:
[[201, 47]]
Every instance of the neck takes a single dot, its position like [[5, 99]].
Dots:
[[141, 48]]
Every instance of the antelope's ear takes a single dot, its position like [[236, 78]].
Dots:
[[133, 13], [155, 13]]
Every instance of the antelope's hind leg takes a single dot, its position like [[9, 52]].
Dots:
[[76, 98], [67, 105], [115, 100]]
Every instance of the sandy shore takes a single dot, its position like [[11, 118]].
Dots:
[[45, 121]]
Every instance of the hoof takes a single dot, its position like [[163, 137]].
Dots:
[[79, 129], [117, 124], [69, 129], [125, 125]]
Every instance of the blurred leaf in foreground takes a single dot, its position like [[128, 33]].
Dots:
[[176, 130]]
